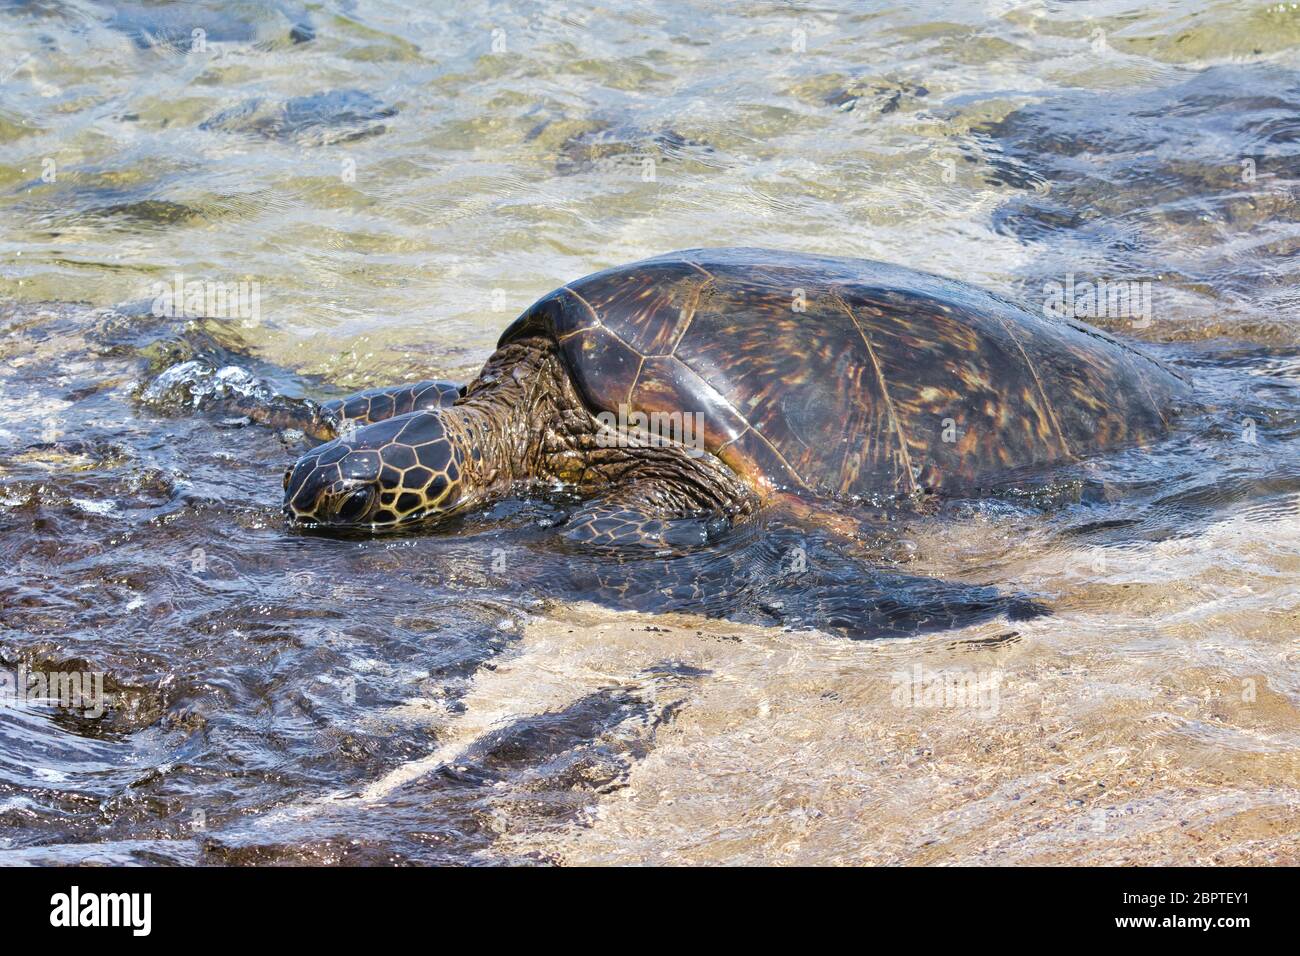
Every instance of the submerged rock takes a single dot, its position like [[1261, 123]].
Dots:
[[162, 212], [879, 96], [183, 25], [336, 116], [625, 147]]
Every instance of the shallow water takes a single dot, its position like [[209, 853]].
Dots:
[[400, 183]]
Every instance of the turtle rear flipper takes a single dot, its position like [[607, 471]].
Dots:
[[840, 570], [773, 570]]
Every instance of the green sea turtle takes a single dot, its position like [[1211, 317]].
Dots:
[[682, 393]]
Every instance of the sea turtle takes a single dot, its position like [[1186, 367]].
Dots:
[[682, 393]]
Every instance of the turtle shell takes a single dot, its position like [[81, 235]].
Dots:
[[847, 377]]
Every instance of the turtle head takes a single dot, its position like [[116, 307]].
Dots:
[[395, 472]]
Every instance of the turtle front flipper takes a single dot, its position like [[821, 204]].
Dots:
[[378, 404], [642, 514], [280, 412], [328, 420]]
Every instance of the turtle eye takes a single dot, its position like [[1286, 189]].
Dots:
[[355, 505]]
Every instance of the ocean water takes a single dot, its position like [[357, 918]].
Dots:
[[384, 186]]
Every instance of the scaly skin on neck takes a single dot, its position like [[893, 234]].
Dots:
[[529, 425]]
